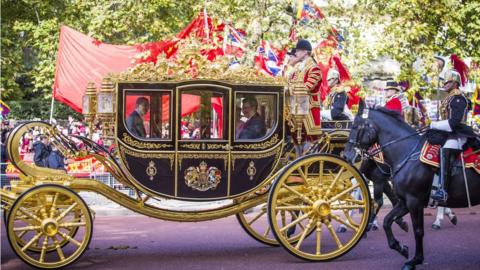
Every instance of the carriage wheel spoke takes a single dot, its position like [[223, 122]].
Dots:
[[348, 224], [301, 196], [262, 212], [44, 249], [30, 215], [35, 238], [20, 235], [58, 248], [293, 223], [334, 234], [267, 231], [319, 236], [71, 224], [54, 205], [292, 207], [355, 201], [348, 207], [64, 213], [334, 181], [295, 216], [302, 174], [302, 237], [67, 237], [26, 228], [343, 193], [320, 170]]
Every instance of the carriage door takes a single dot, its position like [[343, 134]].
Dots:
[[203, 150]]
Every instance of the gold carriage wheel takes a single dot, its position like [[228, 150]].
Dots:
[[255, 224], [51, 246], [326, 190], [43, 216]]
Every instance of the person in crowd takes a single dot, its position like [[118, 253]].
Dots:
[[41, 151], [56, 160], [135, 119], [254, 127]]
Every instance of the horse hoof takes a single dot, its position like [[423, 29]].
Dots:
[[435, 227], [369, 227], [454, 220], [404, 251], [291, 231], [408, 267], [403, 225]]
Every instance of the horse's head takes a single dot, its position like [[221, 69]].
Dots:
[[362, 135]]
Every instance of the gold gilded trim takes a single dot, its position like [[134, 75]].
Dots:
[[129, 152], [256, 155], [182, 156], [195, 146], [267, 144], [144, 145]]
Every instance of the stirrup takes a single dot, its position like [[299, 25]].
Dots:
[[440, 196]]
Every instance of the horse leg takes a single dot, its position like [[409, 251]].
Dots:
[[451, 215], [378, 187], [399, 210], [438, 220], [387, 189], [415, 207]]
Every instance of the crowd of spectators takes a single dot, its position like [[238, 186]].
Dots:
[[37, 148]]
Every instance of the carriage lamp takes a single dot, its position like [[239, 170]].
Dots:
[[299, 108], [89, 104], [105, 107]]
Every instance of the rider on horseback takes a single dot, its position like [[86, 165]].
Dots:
[[453, 112], [336, 101]]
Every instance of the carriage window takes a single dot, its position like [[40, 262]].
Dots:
[[202, 115], [255, 116], [147, 115]]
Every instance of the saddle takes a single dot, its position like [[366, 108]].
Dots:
[[430, 155]]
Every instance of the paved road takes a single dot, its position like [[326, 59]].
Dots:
[[222, 244]]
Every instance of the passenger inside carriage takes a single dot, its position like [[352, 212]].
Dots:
[[254, 125]]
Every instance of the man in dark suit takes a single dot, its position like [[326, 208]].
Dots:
[[255, 127], [135, 119]]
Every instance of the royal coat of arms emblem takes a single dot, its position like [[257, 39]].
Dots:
[[202, 178]]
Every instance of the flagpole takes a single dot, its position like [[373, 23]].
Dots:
[[51, 110]]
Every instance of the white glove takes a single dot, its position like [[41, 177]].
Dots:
[[441, 125]]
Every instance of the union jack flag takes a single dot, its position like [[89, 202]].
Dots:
[[233, 42], [269, 61]]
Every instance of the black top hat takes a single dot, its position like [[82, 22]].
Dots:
[[303, 44], [292, 51], [392, 85]]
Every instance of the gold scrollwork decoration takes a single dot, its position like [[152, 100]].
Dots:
[[143, 145], [181, 157], [195, 146], [170, 156], [267, 144], [235, 156], [215, 146]]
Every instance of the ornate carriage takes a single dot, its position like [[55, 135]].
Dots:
[[191, 150]]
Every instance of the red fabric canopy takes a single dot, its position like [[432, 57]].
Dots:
[[82, 59]]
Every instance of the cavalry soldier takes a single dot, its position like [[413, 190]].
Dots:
[[336, 101], [453, 112], [393, 101]]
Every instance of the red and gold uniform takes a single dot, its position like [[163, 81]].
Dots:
[[309, 76], [394, 103]]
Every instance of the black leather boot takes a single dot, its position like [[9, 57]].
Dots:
[[447, 157]]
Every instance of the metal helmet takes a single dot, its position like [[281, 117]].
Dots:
[[452, 75], [333, 74]]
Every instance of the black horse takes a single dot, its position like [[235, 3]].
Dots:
[[379, 174], [411, 178]]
